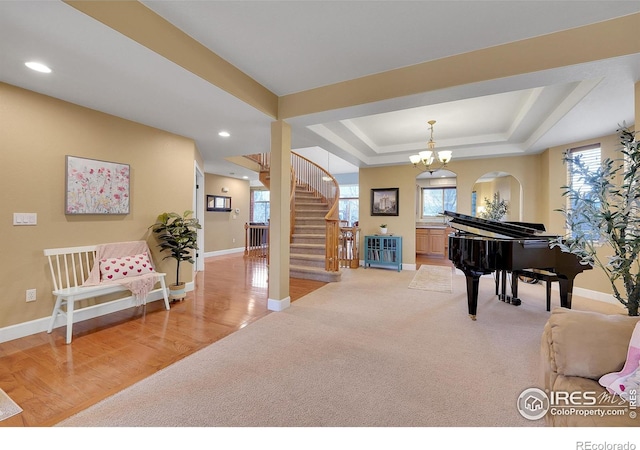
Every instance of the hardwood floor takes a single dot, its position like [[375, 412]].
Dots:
[[52, 381], [422, 259]]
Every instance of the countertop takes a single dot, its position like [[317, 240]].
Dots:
[[436, 226]]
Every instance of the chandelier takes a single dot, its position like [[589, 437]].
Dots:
[[430, 160]]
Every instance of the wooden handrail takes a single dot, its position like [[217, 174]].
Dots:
[[307, 174], [323, 184], [292, 203]]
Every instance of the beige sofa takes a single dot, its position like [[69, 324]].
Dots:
[[577, 348]]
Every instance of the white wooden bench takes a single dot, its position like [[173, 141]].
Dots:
[[70, 268]]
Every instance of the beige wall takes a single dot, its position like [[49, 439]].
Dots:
[[225, 230], [524, 169], [402, 177], [37, 133]]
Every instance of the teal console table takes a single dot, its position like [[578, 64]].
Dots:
[[383, 250]]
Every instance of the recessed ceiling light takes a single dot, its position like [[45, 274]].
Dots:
[[38, 67], [245, 177], [224, 134]]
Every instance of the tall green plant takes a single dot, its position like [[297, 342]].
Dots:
[[177, 234], [607, 212], [494, 209]]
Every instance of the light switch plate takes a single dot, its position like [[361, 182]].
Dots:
[[25, 218]]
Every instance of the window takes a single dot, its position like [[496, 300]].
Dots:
[[260, 210], [349, 203], [437, 200], [474, 203], [589, 161]]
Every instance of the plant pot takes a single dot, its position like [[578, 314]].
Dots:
[[383, 231], [177, 291]]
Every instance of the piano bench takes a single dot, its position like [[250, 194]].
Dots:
[[541, 275]]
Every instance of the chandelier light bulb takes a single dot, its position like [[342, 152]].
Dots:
[[427, 157]]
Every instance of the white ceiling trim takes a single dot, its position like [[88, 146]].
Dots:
[[519, 119], [523, 129], [324, 132], [348, 123], [576, 96]]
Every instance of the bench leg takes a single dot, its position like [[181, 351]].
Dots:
[[54, 315], [548, 295], [164, 293], [70, 303]]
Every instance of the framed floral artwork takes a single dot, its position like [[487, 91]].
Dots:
[[96, 187]]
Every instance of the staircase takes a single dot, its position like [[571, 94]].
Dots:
[[309, 255], [307, 251]]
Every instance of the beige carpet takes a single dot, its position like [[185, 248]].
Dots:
[[432, 278], [366, 351], [8, 407]]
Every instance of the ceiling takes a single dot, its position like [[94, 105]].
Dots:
[[295, 46]]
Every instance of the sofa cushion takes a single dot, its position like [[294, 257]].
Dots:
[[589, 344]]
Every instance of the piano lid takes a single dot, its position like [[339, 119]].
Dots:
[[494, 228]]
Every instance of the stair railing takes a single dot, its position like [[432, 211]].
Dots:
[[292, 204], [348, 249], [322, 184], [256, 241], [313, 178]]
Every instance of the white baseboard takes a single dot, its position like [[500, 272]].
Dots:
[[593, 295], [278, 305], [39, 325], [228, 251]]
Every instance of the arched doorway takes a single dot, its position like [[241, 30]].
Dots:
[[497, 187]]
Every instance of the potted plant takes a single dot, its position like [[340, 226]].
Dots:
[[383, 228], [608, 213], [177, 234], [494, 209]]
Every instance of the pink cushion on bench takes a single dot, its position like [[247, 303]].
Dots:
[[127, 266]]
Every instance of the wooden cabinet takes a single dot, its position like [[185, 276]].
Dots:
[[422, 241], [436, 241], [432, 241]]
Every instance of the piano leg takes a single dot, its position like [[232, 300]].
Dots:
[[502, 276], [566, 291], [514, 289], [473, 281]]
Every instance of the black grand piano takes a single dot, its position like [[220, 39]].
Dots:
[[481, 246]]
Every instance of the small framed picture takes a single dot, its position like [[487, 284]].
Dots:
[[385, 202], [218, 203]]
